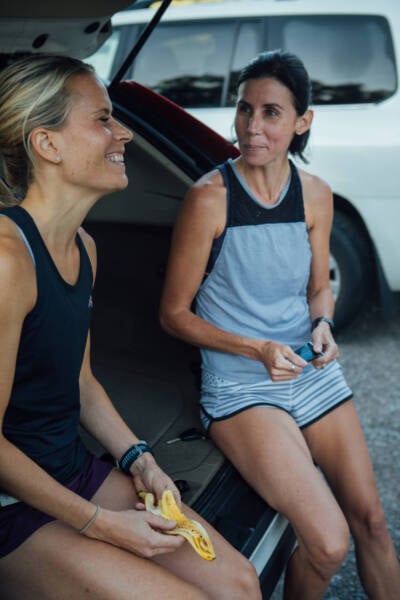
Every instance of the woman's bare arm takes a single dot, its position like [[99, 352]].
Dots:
[[19, 475], [319, 215]]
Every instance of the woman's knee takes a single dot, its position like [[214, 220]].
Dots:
[[329, 552], [368, 521], [244, 581]]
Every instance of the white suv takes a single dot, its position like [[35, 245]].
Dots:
[[350, 51]]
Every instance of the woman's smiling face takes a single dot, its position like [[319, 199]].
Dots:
[[92, 142], [265, 121]]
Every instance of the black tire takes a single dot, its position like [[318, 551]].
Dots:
[[350, 268]]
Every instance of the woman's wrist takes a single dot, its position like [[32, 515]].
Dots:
[[141, 463], [102, 526], [323, 320], [255, 348], [90, 521], [132, 455]]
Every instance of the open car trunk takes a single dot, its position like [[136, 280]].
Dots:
[[154, 379]]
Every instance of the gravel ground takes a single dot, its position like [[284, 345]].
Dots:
[[370, 356]]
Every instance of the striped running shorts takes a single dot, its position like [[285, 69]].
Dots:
[[307, 398]]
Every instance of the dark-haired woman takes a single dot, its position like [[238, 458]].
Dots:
[[251, 247]]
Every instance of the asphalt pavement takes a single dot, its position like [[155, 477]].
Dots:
[[370, 357]]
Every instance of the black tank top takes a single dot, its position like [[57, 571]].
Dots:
[[42, 418]]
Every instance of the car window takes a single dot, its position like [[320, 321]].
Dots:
[[247, 46], [110, 56], [350, 58], [188, 62], [103, 59]]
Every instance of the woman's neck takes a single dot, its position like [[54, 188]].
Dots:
[[266, 181]]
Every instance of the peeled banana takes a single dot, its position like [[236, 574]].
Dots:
[[191, 530]]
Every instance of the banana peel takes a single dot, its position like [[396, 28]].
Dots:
[[191, 530]]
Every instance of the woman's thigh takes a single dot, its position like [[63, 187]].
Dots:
[[56, 562], [268, 448], [230, 576], [338, 445], [222, 578]]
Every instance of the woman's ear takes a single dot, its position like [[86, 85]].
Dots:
[[303, 122], [44, 145]]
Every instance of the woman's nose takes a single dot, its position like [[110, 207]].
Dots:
[[253, 124], [123, 133]]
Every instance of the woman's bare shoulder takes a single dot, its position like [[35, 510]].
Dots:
[[208, 190], [204, 206], [318, 200], [87, 239], [314, 187], [90, 246], [17, 271], [212, 177]]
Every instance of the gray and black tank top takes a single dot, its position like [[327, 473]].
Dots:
[[257, 274]]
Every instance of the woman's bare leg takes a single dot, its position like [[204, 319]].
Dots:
[[57, 562], [269, 450], [230, 576], [338, 445]]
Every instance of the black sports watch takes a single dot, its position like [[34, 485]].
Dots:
[[127, 459], [318, 320]]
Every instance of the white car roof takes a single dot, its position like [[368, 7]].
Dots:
[[215, 9]]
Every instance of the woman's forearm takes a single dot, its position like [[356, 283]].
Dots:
[[25, 480], [192, 329], [322, 304], [100, 418]]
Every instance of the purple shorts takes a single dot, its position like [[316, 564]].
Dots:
[[18, 521]]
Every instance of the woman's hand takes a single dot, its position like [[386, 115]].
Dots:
[[323, 341], [149, 477], [137, 531], [280, 361]]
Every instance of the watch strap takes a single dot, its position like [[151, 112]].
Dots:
[[132, 454], [318, 320]]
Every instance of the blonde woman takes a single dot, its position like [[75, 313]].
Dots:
[[69, 523]]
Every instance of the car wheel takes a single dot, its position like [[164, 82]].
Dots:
[[350, 268]]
